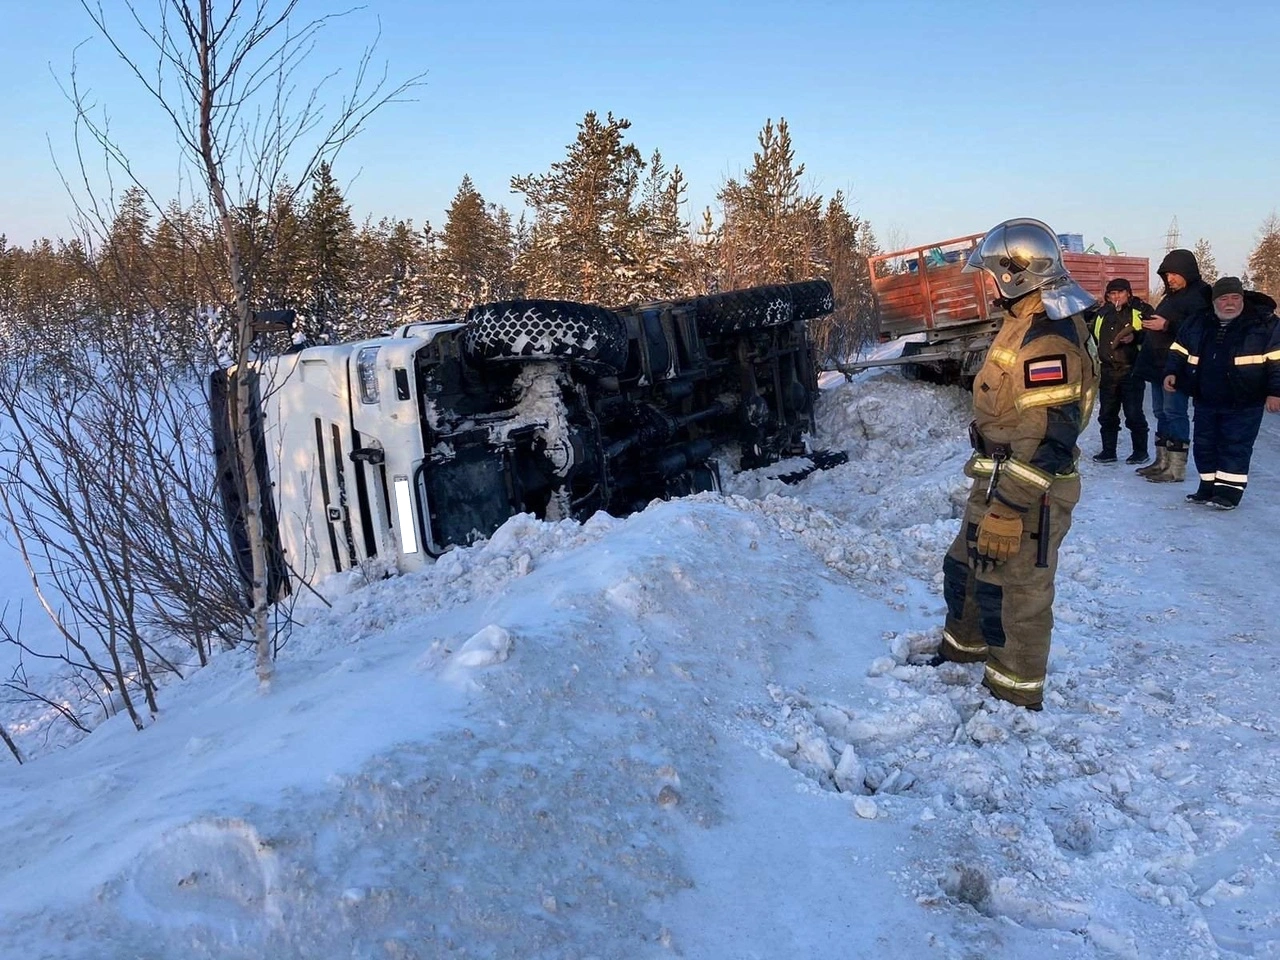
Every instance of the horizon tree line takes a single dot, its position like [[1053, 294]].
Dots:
[[603, 225]]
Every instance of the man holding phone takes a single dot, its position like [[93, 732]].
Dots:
[[1185, 295]]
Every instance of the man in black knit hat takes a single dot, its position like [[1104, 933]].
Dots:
[[1117, 329], [1228, 359]]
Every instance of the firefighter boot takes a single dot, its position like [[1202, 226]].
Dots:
[[1175, 464], [1157, 465], [1108, 452], [1139, 454]]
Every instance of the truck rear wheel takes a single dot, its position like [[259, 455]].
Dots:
[[547, 330], [763, 306]]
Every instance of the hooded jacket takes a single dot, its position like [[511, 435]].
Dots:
[[1177, 307], [1240, 369]]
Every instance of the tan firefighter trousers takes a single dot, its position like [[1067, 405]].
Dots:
[[1004, 614]]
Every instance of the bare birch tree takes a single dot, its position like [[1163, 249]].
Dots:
[[232, 80]]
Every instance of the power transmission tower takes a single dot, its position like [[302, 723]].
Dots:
[[1171, 238]]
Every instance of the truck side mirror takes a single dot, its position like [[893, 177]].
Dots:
[[273, 321]]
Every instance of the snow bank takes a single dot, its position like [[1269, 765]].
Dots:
[[708, 731]]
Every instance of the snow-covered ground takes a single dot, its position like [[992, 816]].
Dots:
[[705, 732]]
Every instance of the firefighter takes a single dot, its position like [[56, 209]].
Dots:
[[1031, 400], [1228, 359], [1117, 331]]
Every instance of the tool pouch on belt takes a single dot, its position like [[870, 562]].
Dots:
[[1000, 451]]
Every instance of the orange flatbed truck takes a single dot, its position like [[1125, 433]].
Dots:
[[922, 290]]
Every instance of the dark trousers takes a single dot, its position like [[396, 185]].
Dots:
[[1223, 443], [1120, 390]]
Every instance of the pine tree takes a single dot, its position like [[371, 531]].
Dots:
[[425, 295], [772, 228], [274, 261], [1208, 264], [662, 242], [521, 242], [582, 240], [278, 262], [402, 259], [251, 229], [286, 278], [182, 285], [367, 297], [328, 235], [1264, 261], [12, 330], [387, 258], [475, 248], [848, 241], [124, 265], [507, 241], [701, 269], [49, 296]]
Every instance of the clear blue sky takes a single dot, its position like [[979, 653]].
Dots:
[[936, 118]]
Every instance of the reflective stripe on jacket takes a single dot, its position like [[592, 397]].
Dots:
[[1251, 341]]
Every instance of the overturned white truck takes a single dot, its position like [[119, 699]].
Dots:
[[389, 451]]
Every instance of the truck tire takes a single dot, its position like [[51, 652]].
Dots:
[[765, 306], [547, 330]]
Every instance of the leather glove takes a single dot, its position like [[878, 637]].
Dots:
[[999, 535]]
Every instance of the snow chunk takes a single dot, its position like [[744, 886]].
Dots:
[[850, 773], [485, 648]]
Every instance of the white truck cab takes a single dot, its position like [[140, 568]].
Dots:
[[344, 445]]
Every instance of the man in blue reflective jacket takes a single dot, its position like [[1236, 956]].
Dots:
[[1228, 360]]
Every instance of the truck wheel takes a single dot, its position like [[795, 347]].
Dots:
[[812, 298], [763, 306], [547, 330]]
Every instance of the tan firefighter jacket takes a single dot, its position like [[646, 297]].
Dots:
[[1031, 400]]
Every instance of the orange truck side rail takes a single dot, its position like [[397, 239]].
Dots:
[[924, 289]]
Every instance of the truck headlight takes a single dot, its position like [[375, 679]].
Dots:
[[404, 515], [367, 374]]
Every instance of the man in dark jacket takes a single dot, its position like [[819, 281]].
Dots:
[[1185, 294], [1116, 330], [1228, 359]]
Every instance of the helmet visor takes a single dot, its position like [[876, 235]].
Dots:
[[1029, 247]]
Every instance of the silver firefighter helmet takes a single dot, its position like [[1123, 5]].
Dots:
[[1023, 255]]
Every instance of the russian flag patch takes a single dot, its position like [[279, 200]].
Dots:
[[1046, 371]]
